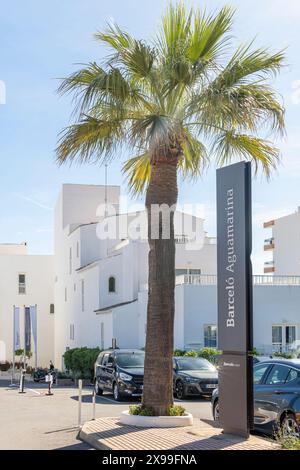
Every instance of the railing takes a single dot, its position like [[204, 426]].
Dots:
[[210, 241], [211, 279]]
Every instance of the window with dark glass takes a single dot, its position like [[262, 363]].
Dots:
[[22, 284], [111, 284]]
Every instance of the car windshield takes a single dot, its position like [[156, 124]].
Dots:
[[194, 363], [130, 360]]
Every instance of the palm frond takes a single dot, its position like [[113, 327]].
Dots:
[[230, 145], [114, 37], [175, 95], [89, 140], [250, 107], [175, 29], [194, 157], [208, 38], [138, 172], [93, 84], [249, 64]]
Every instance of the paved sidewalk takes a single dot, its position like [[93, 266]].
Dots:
[[110, 434]]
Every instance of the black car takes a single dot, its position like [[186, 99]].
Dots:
[[193, 376], [276, 396], [120, 371]]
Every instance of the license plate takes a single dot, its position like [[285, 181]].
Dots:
[[211, 385]]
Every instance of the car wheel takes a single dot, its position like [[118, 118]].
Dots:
[[290, 426], [180, 393], [98, 390], [216, 411], [116, 392]]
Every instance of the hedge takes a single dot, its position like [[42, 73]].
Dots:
[[80, 361]]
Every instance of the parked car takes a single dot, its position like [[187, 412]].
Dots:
[[276, 396], [121, 372], [193, 376]]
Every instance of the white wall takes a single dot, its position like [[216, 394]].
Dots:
[[286, 255], [39, 290], [196, 307]]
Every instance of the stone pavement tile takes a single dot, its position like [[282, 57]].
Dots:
[[109, 433]]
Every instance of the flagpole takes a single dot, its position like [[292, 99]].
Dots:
[[24, 354], [36, 334], [14, 339]]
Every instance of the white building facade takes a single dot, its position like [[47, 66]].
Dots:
[[26, 280], [101, 283], [282, 247], [95, 277]]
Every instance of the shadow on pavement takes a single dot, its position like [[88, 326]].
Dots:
[[103, 400]]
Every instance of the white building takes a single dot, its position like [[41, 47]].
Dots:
[[283, 246], [101, 284], [95, 277], [26, 280]]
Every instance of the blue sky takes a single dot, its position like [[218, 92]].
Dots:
[[42, 41]]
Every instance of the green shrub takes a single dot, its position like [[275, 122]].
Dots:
[[207, 353], [191, 353], [134, 409], [140, 410], [288, 442], [80, 361], [176, 410], [255, 352], [19, 352], [284, 355], [179, 352]]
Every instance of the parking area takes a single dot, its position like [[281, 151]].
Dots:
[[36, 421]]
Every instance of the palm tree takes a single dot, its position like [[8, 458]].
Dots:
[[177, 104]]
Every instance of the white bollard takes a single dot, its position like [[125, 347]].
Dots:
[[79, 401], [94, 404]]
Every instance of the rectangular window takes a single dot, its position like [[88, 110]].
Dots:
[[66, 294], [70, 261], [22, 284], [82, 295], [101, 335], [72, 332], [210, 336], [52, 309], [77, 249]]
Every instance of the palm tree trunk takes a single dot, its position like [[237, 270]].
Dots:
[[158, 375]]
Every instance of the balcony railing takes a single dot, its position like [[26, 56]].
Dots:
[[262, 280], [211, 280]]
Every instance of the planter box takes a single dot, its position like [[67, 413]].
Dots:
[[156, 421]]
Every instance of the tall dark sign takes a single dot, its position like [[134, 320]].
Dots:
[[234, 230]]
